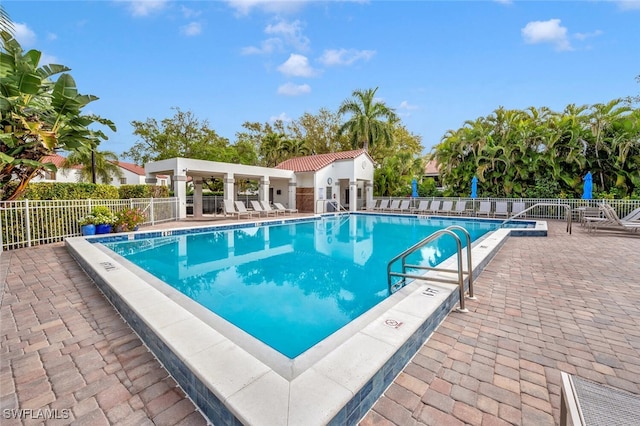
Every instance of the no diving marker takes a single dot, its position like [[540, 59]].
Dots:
[[430, 292], [393, 323], [108, 266]]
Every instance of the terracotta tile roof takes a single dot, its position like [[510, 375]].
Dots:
[[431, 168], [58, 161], [314, 163], [133, 168]]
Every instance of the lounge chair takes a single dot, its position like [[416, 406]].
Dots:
[[242, 210], [447, 207], [423, 207], [502, 209], [485, 208], [614, 221], [283, 209], [383, 205], [267, 208], [395, 205], [633, 216], [229, 208], [258, 208], [405, 206], [461, 208], [435, 206], [518, 207], [372, 207]]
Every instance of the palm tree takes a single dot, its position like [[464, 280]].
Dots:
[[371, 121], [105, 163], [5, 21]]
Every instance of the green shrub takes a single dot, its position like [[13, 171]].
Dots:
[[143, 191], [69, 191]]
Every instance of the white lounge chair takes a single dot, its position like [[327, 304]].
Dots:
[[267, 208], [613, 221], [395, 205], [502, 209], [283, 209], [404, 206], [229, 208], [485, 208], [423, 207], [383, 205], [518, 207], [374, 206], [461, 208], [242, 210], [435, 206], [258, 208], [447, 207]]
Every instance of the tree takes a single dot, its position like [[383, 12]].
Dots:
[[38, 116], [371, 122], [105, 163], [320, 132], [182, 135]]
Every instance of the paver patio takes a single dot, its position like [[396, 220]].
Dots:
[[561, 303]]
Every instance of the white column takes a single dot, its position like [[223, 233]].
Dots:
[[197, 197], [292, 195], [368, 193], [353, 196], [180, 192], [263, 191], [229, 187]]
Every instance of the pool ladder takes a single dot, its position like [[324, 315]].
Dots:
[[460, 270]]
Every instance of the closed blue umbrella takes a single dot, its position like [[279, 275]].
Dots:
[[414, 188], [587, 191], [474, 187]]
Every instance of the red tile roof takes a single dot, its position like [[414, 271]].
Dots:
[[133, 168], [313, 163], [58, 161]]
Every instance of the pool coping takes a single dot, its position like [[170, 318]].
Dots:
[[231, 386]]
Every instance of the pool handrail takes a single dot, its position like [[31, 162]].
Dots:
[[460, 270], [567, 208]]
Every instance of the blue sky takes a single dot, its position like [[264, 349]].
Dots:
[[436, 63]]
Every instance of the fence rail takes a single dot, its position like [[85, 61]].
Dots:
[[622, 207], [26, 223]]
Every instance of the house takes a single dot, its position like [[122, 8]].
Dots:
[[305, 183], [345, 177], [71, 174]]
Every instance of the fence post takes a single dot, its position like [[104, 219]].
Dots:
[[153, 222], [27, 223], [2, 209]]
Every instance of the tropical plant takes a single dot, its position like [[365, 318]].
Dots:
[[371, 121], [103, 163], [103, 215], [38, 116], [128, 219]]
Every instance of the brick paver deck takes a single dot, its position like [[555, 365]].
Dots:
[[562, 303]]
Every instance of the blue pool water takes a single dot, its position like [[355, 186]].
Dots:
[[291, 285]]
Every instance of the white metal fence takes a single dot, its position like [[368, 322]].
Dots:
[[622, 207], [26, 223]]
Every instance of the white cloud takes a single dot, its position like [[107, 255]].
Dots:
[[267, 46], [145, 7], [629, 4], [297, 66], [47, 59], [584, 36], [333, 57], [547, 32], [291, 89], [406, 105], [25, 35], [291, 32], [281, 117], [189, 13], [52, 36], [191, 29], [244, 7]]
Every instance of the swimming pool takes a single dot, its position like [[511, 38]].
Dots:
[[235, 378], [292, 285]]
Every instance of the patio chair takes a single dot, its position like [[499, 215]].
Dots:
[[384, 204], [372, 207], [502, 209], [405, 206], [395, 205], [423, 207], [283, 209], [258, 208], [242, 210], [447, 207], [613, 221], [461, 208], [435, 206], [518, 207], [485, 208], [267, 208]]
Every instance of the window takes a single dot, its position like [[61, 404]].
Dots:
[[123, 181], [329, 192], [50, 175]]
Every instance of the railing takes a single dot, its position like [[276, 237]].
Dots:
[[26, 223], [460, 270], [567, 209], [335, 205]]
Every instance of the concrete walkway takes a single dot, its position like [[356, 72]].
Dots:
[[562, 303]]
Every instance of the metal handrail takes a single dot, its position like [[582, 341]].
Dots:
[[460, 270], [567, 208]]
